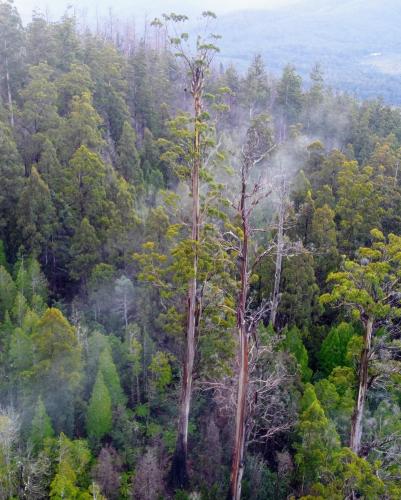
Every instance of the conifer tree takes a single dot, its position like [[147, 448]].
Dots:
[[111, 378], [57, 366], [12, 178], [333, 351], [128, 160], [99, 414], [36, 216], [319, 440], [41, 428], [84, 251], [82, 127], [7, 292]]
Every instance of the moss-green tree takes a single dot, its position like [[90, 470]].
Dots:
[[99, 414], [36, 215], [334, 347], [111, 378], [57, 367], [72, 471], [128, 160], [41, 429]]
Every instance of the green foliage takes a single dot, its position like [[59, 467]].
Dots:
[[81, 129], [12, 178], [289, 94], [299, 303], [160, 369], [96, 164], [7, 291], [72, 471], [293, 344], [359, 205], [335, 347], [36, 214], [319, 440], [128, 161], [99, 414], [84, 250], [42, 428], [111, 378], [85, 189], [56, 366], [350, 475], [363, 286], [3, 258]]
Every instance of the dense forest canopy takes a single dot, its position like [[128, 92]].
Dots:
[[355, 41], [200, 268]]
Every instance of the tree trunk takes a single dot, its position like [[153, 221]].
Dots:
[[279, 262], [179, 469], [237, 465], [9, 96], [356, 423]]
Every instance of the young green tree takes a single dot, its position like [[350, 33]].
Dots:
[[85, 189], [82, 127], [39, 111], [324, 240], [128, 160], [73, 83], [36, 216], [72, 471], [292, 343], [289, 99], [41, 428], [359, 206], [84, 251], [111, 378], [255, 88], [12, 178], [57, 366], [334, 347], [99, 414], [318, 439], [7, 292]]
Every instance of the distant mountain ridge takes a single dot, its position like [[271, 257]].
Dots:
[[358, 42]]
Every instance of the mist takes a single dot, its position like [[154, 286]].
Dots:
[[141, 8]]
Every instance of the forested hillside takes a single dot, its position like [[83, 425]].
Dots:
[[200, 273], [356, 41]]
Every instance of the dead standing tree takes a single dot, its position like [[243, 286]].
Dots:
[[197, 62], [282, 210], [256, 149]]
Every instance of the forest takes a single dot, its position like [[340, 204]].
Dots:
[[200, 272]]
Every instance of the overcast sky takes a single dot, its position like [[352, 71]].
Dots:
[[55, 8]]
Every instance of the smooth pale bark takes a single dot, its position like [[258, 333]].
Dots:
[[179, 469], [237, 464], [357, 417]]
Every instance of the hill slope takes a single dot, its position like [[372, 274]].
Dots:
[[356, 41]]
